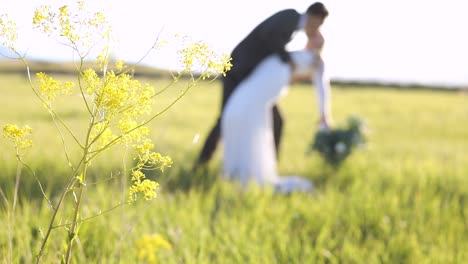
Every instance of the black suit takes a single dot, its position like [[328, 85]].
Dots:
[[269, 37]]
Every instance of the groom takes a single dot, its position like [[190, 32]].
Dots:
[[269, 37]]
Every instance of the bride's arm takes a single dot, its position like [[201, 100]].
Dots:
[[315, 44], [323, 90], [321, 81]]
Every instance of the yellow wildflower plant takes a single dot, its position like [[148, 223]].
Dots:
[[119, 108]]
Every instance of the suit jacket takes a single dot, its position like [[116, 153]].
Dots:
[[269, 37]]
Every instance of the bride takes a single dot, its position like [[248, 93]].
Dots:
[[246, 124]]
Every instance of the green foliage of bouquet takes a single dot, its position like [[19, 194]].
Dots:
[[335, 145]]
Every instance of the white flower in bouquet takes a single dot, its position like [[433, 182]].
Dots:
[[340, 147]]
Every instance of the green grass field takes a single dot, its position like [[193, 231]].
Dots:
[[401, 199]]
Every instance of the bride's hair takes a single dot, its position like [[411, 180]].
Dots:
[[317, 9]]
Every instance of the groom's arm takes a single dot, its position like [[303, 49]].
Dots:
[[276, 32]]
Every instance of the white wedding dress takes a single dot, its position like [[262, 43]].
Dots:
[[246, 124]]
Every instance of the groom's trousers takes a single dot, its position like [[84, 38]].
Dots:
[[214, 136]]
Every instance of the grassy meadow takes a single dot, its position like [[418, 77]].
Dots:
[[401, 199]]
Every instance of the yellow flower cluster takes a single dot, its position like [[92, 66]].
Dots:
[[132, 131], [147, 160], [141, 185], [67, 28], [118, 94], [19, 136], [44, 19], [201, 55], [80, 28], [149, 245], [122, 94], [102, 135], [8, 32], [118, 99], [50, 87], [120, 65]]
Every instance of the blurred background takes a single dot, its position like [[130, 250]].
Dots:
[[387, 41]]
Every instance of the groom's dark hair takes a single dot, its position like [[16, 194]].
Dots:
[[317, 9]]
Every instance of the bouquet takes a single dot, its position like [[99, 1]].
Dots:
[[335, 145]]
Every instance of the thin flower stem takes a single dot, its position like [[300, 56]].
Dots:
[[38, 181], [175, 79], [73, 232], [18, 176], [63, 143], [144, 56], [71, 181], [62, 122], [51, 222], [80, 70], [94, 216]]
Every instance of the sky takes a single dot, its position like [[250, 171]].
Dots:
[[397, 41]]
